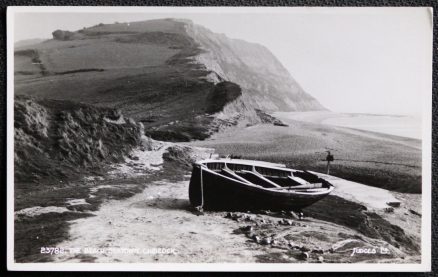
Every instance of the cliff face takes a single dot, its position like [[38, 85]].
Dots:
[[179, 79], [265, 83]]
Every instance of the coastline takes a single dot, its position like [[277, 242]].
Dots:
[[408, 126]]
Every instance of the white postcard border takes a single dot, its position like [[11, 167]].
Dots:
[[426, 258]]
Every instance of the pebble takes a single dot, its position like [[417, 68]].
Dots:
[[320, 259], [389, 210], [394, 204], [293, 215], [318, 250], [265, 241], [285, 222], [247, 228], [304, 256]]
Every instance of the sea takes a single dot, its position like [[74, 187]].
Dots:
[[399, 125]]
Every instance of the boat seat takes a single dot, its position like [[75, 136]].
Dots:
[[298, 180], [261, 177], [231, 174], [309, 186]]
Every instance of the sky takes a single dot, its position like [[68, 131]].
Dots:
[[360, 60]]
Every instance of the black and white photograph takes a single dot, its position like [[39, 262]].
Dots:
[[219, 138]]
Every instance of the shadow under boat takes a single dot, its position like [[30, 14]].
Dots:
[[234, 184]]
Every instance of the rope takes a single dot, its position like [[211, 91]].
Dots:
[[202, 190]]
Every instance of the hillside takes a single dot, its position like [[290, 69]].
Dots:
[[59, 140], [164, 73]]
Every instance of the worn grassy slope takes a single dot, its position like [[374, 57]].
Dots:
[[59, 139]]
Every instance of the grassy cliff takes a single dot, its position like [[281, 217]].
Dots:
[[59, 139]]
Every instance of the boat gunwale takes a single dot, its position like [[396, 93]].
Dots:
[[248, 162], [284, 191]]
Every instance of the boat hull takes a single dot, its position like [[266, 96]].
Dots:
[[214, 191]]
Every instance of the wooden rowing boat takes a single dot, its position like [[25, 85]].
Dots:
[[234, 184]]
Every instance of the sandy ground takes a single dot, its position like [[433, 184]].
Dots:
[[159, 217], [373, 198]]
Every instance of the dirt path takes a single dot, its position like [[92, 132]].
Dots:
[[159, 217]]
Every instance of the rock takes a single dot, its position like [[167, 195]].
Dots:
[[389, 210], [320, 259], [318, 250], [256, 239], [293, 215], [62, 35], [393, 204], [285, 221], [199, 210], [265, 241], [280, 123], [247, 217], [304, 256], [247, 228], [304, 248], [414, 212]]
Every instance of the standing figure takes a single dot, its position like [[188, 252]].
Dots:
[[329, 159]]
